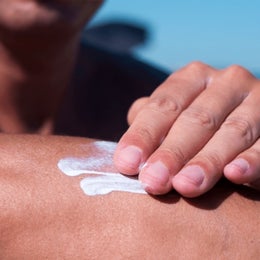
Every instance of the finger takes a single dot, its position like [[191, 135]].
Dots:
[[239, 131], [192, 130], [135, 109], [245, 168], [153, 122]]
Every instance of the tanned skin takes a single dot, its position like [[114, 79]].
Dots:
[[45, 214]]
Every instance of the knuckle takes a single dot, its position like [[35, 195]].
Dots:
[[199, 71], [253, 154], [175, 155], [241, 127], [143, 135], [164, 104], [201, 118], [197, 66], [212, 162], [237, 72], [179, 155]]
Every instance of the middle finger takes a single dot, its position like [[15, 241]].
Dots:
[[192, 130]]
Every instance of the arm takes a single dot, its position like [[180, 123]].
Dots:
[[45, 214]]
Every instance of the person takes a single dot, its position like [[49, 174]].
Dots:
[[196, 125], [44, 213], [39, 43]]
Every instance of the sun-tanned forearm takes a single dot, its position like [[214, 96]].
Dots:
[[38, 46], [45, 214]]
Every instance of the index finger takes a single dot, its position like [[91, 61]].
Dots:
[[155, 119]]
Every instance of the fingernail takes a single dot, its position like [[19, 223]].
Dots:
[[239, 164], [131, 157], [155, 174], [191, 175]]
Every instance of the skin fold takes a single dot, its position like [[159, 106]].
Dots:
[[45, 214]]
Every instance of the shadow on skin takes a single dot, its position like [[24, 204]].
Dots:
[[224, 189], [213, 198], [209, 201], [170, 198]]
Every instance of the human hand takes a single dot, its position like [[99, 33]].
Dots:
[[196, 126]]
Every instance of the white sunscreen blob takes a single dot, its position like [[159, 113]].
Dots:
[[99, 182]]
